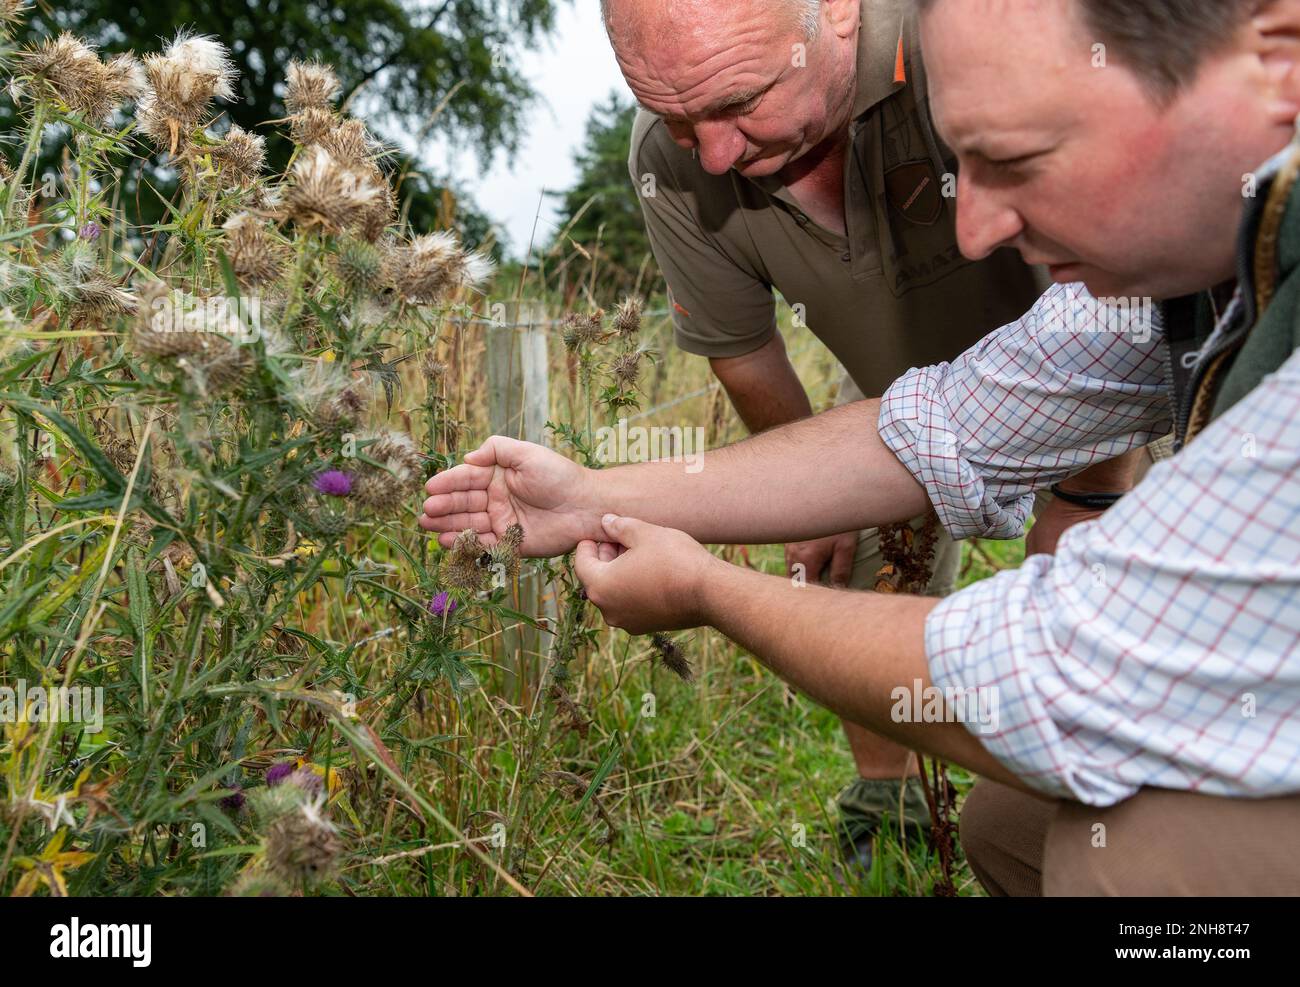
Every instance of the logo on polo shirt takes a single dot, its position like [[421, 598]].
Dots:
[[913, 188]]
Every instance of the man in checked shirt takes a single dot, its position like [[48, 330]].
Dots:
[[1138, 729]]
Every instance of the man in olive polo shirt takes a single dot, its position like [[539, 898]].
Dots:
[[787, 145]]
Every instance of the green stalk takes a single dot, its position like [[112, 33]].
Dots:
[[32, 148]]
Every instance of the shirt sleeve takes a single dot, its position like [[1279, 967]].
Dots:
[[722, 307], [1160, 646], [1072, 383]]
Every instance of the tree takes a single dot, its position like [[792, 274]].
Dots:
[[415, 67], [601, 211]]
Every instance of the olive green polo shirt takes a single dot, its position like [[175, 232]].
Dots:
[[892, 294]]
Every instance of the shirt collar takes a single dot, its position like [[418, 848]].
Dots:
[[884, 23]]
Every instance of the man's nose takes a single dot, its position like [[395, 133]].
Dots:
[[985, 220], [720, 144]]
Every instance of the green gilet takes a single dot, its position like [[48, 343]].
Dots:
[[1266, 331]]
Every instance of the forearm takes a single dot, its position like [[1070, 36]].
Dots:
[[763, 387], [849, 651], [821, 476], [1113, 476]]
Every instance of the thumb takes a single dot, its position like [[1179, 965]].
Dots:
[[624, 530], [498, 450], [586, 562]]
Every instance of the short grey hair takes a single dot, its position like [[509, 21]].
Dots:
[[808, 14]]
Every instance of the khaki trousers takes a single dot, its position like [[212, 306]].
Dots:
[[1158, 842]]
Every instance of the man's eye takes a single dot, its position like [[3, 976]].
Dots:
[[744, 109], [1014, 162]]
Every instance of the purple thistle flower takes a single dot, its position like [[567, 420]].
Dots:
[[334, 483], [276, 773], [90, 231], [307, 780], [442, 605], [234, 801]]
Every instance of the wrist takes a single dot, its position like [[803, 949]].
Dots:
[[708, 588], [594, 502], [1088, 499]]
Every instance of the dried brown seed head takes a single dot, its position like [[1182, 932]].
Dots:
[[310, 86]]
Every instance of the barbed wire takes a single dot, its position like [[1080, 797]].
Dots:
[[538, 323]]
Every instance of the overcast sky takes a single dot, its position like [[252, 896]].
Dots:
[[572, 73]]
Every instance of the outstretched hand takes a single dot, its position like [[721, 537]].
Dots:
[[504, 482]]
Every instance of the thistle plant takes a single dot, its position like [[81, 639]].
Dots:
[[194, 461]]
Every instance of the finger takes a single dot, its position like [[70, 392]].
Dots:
[[462, 477], [460, 502], [608, 552], [586, 562], [456, 523], [842, 567]]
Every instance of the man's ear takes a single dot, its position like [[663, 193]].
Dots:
[[844, 16], [1275, 33]]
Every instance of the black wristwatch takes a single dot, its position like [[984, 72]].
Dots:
[[1091, 501]]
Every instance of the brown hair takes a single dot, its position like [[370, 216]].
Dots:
[[1164, 42]]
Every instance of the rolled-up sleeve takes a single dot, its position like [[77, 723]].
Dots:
[[1160, 646], [721, 306], [1074, 382]]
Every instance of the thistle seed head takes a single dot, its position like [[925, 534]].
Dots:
[[311, 86], [99, 298], [302, 845], [465, 566], [431, 267], [506, 552], [181, 84], [581, 331], [386, 490], [311, 126], [11, 13], [328, 396], [173, 324], [242, 156], [627, 317], [256, 255], [671, 656], [380, 492], [223, 368], [124, 77], [350, 143], [323, 193], [398, 452], [627, 368], [70, 69]]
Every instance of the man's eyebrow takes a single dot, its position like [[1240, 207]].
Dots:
[[735, 99]]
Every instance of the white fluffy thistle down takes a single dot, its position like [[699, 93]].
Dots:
[[182, 82], [432, 266], [208, 59]]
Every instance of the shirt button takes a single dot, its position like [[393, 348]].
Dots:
[[846, 256]]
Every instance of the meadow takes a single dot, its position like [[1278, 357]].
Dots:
[[213, 435]]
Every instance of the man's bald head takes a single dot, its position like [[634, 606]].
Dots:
[[628, 21]]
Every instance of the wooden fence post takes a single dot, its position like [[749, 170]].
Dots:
[[519, 398]]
